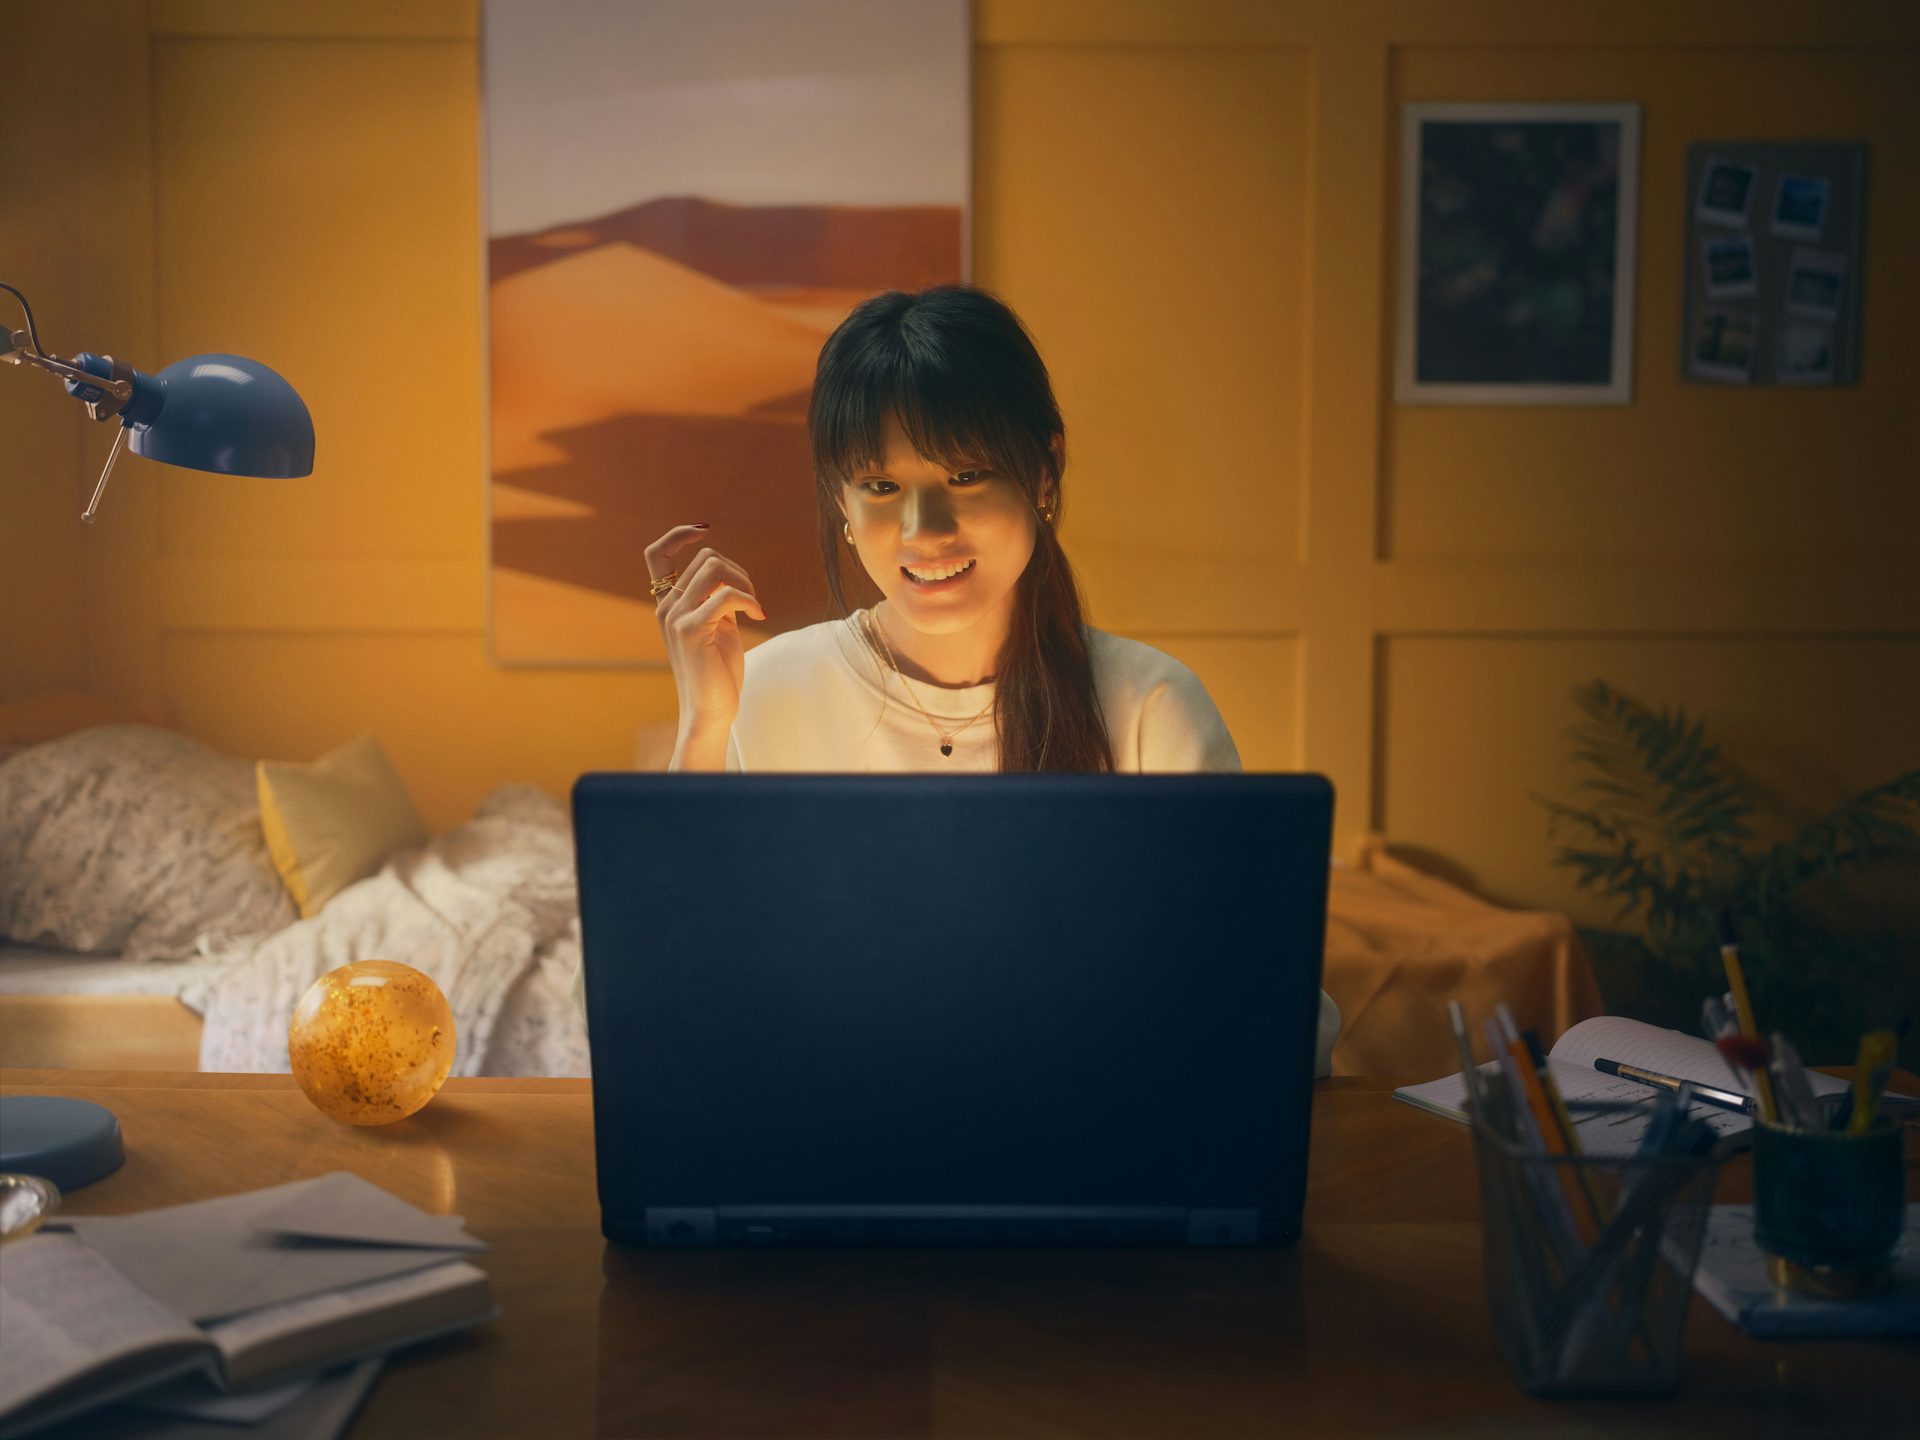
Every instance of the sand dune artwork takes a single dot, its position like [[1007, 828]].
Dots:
[[683, 199]]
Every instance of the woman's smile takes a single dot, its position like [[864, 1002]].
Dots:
[[938, 579]]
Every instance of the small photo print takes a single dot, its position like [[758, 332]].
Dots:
[[1800, 207], [1723, 345], [1728, 263], [1806, 355], [1816, 282], [1726, 192]]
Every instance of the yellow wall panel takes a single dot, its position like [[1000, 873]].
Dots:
[[73, 213], [1255, 680], [455, 725], [415, 19], [1142, 211], [318, 211], [1687, 469], [1193, 205], [1469, 726]]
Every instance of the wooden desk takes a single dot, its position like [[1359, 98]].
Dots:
[[1375, 1322]]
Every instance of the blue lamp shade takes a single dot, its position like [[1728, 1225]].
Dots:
[[223, 413]]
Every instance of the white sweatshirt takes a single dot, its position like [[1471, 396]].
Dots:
[[822, 699]]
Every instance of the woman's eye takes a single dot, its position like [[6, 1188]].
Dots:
[[971, 477], [878, 487]]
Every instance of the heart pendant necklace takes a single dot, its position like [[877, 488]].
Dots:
[[946, 737]]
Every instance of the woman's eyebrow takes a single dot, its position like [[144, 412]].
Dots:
[[958, 467]]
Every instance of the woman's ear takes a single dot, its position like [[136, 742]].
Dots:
[[1050, 488]]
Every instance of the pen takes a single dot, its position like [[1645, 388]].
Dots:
[[1870, 1071], [1843, 1117], [1709, 1094], [1468, 1076], [1798, 1104], [1562, 1118]]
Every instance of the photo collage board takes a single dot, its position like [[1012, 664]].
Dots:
[[1773, 264]]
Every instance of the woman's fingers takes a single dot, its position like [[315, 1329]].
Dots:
[[705, 573], [661, 552], [727, 600]]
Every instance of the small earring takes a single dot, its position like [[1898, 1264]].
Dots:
[[847, 530], [1046, 513]]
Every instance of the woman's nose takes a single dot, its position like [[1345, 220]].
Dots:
[[927, 512]]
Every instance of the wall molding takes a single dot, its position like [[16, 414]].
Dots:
[[1582, 597], [323, 595]]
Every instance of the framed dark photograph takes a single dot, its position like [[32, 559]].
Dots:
[[1516, 254]]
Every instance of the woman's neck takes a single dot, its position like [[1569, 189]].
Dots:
[[957, 660]]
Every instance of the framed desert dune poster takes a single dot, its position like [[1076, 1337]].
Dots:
[[681, 200]]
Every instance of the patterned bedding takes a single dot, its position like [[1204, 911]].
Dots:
[[488, 910]]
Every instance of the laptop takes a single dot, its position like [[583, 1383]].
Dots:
[[925, 1009]]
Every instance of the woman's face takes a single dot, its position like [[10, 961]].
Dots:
[[946, 547]]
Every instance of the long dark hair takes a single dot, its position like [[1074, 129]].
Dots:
[[957, 369]]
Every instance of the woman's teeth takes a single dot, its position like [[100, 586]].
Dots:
[[940, 572]]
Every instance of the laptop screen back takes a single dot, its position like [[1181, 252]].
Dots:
[[952, 993]]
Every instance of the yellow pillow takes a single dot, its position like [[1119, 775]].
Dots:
[[335, 821]]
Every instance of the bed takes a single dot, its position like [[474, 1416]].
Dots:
[[64, 1010], [489, 911]]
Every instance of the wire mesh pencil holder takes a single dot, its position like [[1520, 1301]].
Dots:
[[1589, 1261]]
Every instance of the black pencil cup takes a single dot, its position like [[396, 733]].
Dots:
[[1828, 1207]]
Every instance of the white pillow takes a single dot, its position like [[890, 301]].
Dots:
[[135, 839]]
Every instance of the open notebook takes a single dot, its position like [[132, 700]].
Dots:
[[1632, 1042]]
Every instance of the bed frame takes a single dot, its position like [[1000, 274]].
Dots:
[[98, 1032]]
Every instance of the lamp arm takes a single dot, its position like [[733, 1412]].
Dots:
[[121, 390]]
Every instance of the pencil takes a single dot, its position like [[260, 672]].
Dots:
[[1743, 1008]]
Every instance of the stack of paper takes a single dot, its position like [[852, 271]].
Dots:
[[1732, 1275]]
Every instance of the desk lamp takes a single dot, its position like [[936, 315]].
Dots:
[[222, 413]]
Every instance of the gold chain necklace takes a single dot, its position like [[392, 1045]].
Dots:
[[946, 736]]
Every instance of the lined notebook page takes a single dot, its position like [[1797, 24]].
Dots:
[[1631, 1042], [1602, 1132], [1669, 1052]]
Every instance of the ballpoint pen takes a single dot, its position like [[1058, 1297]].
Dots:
[[1469, 1076], [1708, 1094], [1791, 1088]]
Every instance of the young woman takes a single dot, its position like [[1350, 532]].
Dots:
[[938, 458]]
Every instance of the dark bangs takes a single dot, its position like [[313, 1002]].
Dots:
[[958, 370], [961, 391]]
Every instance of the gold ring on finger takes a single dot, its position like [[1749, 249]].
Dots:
[[663, 585]]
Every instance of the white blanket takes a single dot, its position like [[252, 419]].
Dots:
[[489, 911]]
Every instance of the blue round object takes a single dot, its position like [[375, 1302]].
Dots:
[[70, 1142], [227, 414]]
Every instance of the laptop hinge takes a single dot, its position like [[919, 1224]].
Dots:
[[681, 1225], [1223, 1227]]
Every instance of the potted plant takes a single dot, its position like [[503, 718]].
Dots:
[[1673, 836]]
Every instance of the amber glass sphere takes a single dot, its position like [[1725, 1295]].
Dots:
[[371, 1042]]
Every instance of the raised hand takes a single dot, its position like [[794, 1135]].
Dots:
[[698, 608]]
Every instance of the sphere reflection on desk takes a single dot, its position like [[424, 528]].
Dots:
[[371, 1042]]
